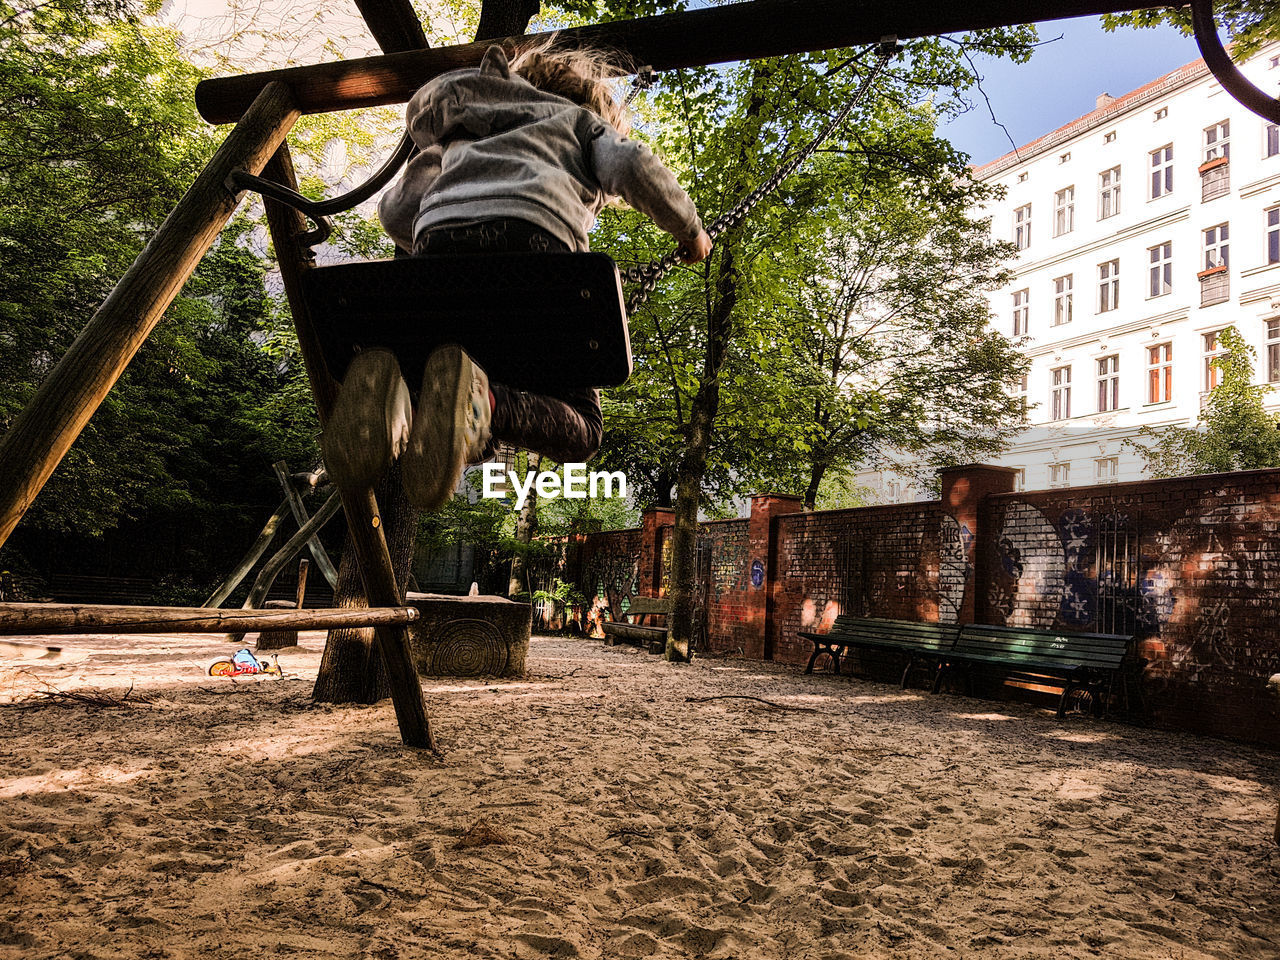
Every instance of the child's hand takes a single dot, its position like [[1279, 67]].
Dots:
[[695, 250]]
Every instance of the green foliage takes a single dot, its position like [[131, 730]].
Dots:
[[98, 140], [1249, 24], [1235, 432], [561, 594], [857, 322]]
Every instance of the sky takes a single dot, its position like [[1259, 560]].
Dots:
[[1062, 81]]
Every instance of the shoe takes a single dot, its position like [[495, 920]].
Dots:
[[450, 427], [370, 423]]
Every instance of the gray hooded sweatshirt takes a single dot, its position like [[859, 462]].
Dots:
[[494, 146]]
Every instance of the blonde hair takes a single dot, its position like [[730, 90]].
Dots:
[[577, 74]]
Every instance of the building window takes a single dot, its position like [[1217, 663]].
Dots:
[[1108, 193], [1022, 227], [1109, 383], [1108, 286], [1106, 469], [1060, 395], [1062, 298], [1216, 247], [895, 491], [1109, 137], [1213, 348], [1020, 391], [1161, 271], [1272, 137], [1059, 474], [1162, 171], [1021, 312], [1217, 141], [1161, 113], [1063, 158], [1273, 235], [1160, 373], [1020, 479], [1064, 211], [1215, 283], [1273, 351], [1022, 177]]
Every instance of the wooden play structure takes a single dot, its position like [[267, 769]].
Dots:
[[265, 106]]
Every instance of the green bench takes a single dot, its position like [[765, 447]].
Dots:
[[1093, 662], [917, 642]]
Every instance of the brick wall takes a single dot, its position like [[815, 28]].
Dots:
[[1190, 566]]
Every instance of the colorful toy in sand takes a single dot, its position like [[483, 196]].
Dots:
[[243, 663]]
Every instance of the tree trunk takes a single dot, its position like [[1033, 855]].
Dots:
[[351, 670], [526, 527], [817, 470], [693, 462]]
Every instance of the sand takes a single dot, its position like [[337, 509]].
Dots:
[[592, 810]]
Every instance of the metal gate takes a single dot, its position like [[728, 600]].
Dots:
[[1117, 553]]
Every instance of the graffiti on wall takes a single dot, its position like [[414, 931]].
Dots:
[[955, 565], [1127, 568]]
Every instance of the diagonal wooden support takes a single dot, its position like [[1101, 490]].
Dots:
[[44, 431], [361, 508], [318, 552], [254, 553]]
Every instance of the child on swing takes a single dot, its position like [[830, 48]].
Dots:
[[514, 156]]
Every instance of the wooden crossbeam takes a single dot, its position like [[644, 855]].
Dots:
[[740, 31], [35, 619]]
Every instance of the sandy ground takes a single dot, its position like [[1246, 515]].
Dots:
[[595, 810]]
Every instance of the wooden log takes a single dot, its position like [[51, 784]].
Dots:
[[43, 432], [254, 553], [739, 31], [300, 595], [393, 23], [21, 619], [300, 515], [363, 517]]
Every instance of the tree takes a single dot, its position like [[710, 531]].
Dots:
[[1234, 431], [715, 407], [98, 138], [1249, 24]]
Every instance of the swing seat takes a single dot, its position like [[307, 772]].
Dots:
[[542, 322]]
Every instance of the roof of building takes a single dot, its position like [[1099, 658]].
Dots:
[[1151, 91]]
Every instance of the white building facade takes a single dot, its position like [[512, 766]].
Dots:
[[1144, 229]]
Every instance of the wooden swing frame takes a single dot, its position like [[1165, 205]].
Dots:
[[265, 106]]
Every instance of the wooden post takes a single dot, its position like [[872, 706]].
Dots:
[[44, 431], [301, 595], [363, 517], [22, 619]]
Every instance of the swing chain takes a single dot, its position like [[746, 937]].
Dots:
[[648, 274]]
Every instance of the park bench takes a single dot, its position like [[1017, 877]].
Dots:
[[917, 642], [1092, 662], [653, 637]]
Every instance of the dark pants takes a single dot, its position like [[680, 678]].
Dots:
[[568, 426]]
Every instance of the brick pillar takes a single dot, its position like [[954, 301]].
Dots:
[[651, 523], [762, 549], [963, 489]]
